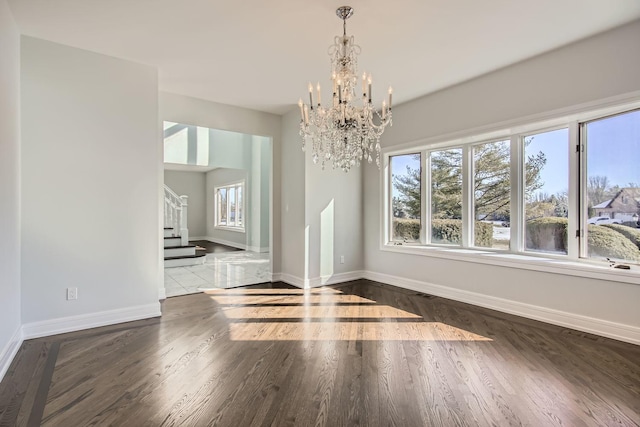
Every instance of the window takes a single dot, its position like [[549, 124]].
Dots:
[[546, 174], [492, 194], [565, 187], [612, 186], [229, 206], [446, 196], [405, 198]]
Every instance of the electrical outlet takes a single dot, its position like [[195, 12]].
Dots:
[[341, 259], [72, 293]]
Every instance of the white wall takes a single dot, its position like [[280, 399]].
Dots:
[[191, 184], [321, 216], [333, 217], [9, 187], [292, 208], [184, 109], [604, 66], [90, 194]]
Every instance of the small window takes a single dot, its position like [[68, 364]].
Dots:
[[546, 191], [405, 198], [446, 196], [492, 194], [229, 206]]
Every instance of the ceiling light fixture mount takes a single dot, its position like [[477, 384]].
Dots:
[[349, 129]]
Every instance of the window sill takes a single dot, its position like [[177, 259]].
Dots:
[[234, 229], [548, 264]]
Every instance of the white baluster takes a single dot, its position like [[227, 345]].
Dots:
[[184, 231]]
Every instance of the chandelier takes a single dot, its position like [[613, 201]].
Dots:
[[348, 130]]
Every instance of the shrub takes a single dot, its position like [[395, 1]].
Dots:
[[547, 234], [632, 234], [607, 243], [443, 231], [483, 234], [406, 229], [446, 231], [450, 231]]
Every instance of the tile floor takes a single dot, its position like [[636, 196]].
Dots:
[[220, 270]]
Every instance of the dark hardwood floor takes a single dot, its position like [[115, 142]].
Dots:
[[212, 248], [359, 354]]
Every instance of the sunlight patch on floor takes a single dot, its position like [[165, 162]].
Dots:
[[326, 330], [325, 314]]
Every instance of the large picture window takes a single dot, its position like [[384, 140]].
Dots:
[[229, 206], [560, 188]]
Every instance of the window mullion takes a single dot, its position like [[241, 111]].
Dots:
[[235, 205], [516, 205], [216, 206], [425, 206], [467, 197], [576, 184]]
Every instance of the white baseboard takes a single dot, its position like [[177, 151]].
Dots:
[[276, 277], [334, 278], [92, 320], [290, 279], [605, 328], [9, 351], [162, 293], [317, 281], [198, 238]]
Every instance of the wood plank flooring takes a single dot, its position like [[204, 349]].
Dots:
[[358, 354]]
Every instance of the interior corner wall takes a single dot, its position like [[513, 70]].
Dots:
[[184, 109], [192, 185], [604, 66], [90, 176], [10, 322], [333, 220], [293, 200]]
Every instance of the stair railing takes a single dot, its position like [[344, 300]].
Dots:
[[175, 215]]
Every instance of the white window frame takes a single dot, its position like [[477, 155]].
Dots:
[[573, 263], [235, 185]]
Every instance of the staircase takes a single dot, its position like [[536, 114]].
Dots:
[[177, 250]]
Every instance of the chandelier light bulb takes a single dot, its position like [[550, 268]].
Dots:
[[344, 133]]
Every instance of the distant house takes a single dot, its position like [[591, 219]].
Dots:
[[624, 205]]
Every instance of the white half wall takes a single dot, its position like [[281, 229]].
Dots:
[[191, 184], [604, 66], [90, 183], [10, 335], [184, 109]]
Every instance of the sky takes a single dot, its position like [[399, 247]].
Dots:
[[613, 150]]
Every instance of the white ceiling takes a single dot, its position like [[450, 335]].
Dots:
[[261, 54]]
